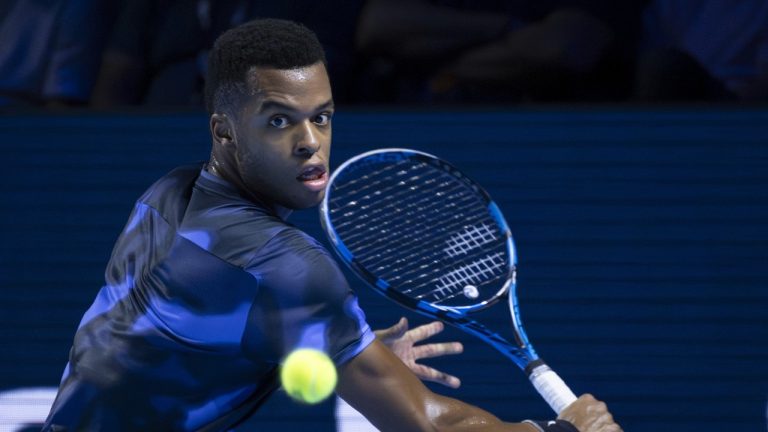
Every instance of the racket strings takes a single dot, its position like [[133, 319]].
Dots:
[[369, 220], [480, 271], [427, 261], [369, 185], [371, 232], [422, 230], [474, 237], [387, 229], [379, 219], [364, 197]]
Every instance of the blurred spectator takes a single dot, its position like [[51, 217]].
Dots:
[[498, 51], [51, 50], [704, 50], [158, 53]]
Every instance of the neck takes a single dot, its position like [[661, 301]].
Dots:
[[215, 168]]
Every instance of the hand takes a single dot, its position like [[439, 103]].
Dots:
[[590, 415], [402, 342]]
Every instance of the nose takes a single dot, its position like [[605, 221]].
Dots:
[[308, 140]]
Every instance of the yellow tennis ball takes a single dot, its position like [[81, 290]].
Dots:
[[308, 375]]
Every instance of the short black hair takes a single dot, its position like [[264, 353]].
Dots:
[[268, 42]]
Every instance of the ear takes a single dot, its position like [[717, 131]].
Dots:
[[222, 130]]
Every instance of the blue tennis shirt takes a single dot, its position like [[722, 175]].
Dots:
[[205, 293]]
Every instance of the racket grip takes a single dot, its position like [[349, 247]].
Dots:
[[551, 387]]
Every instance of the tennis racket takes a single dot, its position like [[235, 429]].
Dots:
[[420, 232]]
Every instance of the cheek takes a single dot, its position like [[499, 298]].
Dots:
[[262, 167], [246, 158], [251, 165]]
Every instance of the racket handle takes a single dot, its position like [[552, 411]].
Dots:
[[551, 387]]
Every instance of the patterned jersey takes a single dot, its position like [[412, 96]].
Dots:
[[205, 293]]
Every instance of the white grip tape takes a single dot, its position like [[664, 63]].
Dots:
[[552, 388]]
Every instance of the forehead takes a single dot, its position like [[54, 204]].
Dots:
[[299, 86]]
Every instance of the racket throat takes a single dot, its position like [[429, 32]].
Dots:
[[520, 340]]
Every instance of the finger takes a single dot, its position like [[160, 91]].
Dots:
[[429, 374], [394, 332], [607, 421], [437, 350], [425, 331], [607, 424]]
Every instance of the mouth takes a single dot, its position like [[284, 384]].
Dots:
[[314, 177]]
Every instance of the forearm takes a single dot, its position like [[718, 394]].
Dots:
[[382, 388], [454, 415]]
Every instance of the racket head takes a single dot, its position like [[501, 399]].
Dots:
[[419, 231]]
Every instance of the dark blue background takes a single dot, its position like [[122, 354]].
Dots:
[[642, 239]]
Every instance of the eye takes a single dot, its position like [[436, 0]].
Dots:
[[279, 121], [323, 119]]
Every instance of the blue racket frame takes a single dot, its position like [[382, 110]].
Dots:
[[522, 353]]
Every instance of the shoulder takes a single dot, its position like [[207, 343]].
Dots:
[[293, 240], [303, 299], [223, 223], [179, 180], [169, 196], [295, 263], [293, 246]]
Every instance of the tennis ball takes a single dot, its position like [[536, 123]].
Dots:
[[308, 375]]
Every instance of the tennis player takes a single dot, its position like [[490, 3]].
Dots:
[[208, 287]]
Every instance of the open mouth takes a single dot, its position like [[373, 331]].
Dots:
[[314, 178], [312, 174]]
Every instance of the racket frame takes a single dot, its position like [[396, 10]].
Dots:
[[522, 353]]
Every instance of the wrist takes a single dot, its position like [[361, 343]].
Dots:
[[551, 425]]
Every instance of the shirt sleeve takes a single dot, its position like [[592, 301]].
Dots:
[[303, 301]]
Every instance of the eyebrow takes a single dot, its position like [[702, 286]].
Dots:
[[279, 106]]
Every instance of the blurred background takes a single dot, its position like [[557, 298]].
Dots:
[[626, 143]]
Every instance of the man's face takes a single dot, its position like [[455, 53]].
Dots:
[[283, 135]]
